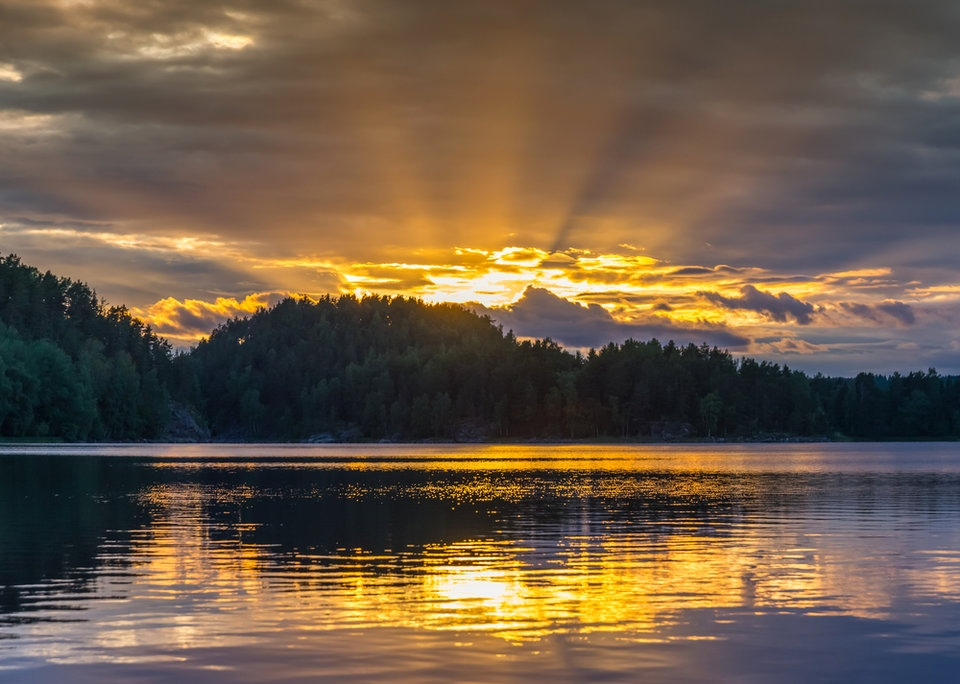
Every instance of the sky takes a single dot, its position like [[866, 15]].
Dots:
[[777, 178]]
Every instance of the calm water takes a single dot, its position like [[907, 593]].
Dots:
[[785, 563]]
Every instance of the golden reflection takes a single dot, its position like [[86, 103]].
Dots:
[[939, 576], [642, 545], [178, 565], [518, 586]]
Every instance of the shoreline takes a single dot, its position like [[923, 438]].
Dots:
[[5, 443]]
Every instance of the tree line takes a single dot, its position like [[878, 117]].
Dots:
[[72, 367], [349, 369]]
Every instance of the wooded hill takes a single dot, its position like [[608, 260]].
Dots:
[[73, 368], [399, 369]]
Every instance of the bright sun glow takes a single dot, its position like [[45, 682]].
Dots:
[[630, 287]]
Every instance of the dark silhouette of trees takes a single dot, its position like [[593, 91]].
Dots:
[[370, 368], [343, 368], [400, 369], [73, 368]]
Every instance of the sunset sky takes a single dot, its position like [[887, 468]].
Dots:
[[781, 179]]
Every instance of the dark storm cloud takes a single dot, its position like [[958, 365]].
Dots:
[[784, 131], [778, 307], [539, 313]]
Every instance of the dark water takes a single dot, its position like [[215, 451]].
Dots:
[[783, 563]]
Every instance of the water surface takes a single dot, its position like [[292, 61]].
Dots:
[[480, 563]]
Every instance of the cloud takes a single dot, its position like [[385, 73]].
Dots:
[[621, 148], [760, 128], [135, 269], [789, 345], [190, 320], [692, 271], [539, 313], [899, 312], [778, 307], [558, 260]]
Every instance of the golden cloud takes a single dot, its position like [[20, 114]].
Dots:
[[190, 320], [634, 290]]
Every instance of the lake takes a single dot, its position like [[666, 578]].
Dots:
[[428, 563]]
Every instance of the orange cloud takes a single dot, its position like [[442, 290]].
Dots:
[[585, 298], [190, 320]]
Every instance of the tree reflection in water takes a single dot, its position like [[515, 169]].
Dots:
[[469, 557]]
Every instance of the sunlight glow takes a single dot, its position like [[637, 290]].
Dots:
[[631, 583], [937, 292], [174, 46], [191, 320], [228, 42], [328, 155], [165, 47], [140, 242], [12, 121], [633, 288], [9, 72]]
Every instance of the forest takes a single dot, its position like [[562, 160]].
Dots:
[[391, 368], [73, 368]]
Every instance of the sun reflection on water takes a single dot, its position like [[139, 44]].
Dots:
[[545, 548], [527, 582]]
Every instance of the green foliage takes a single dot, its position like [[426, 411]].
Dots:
[[72, 368], [343, 368], [395, 368], [372, 368]]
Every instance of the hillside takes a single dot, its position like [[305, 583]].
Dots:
[[348, 369], [73, 368], [399, 369]]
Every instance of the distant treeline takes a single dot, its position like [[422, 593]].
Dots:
[[399, 369]]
